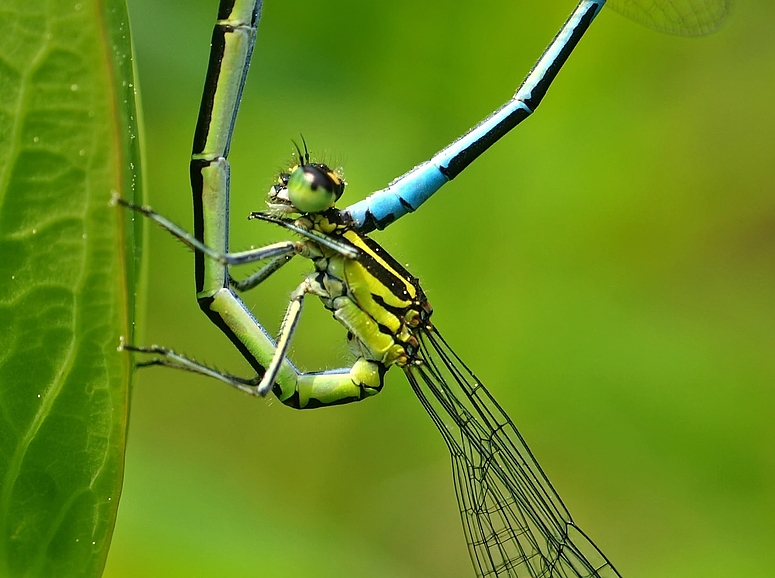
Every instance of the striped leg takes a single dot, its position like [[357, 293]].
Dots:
[[408, 192]]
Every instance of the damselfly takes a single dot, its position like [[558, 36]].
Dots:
[[514, 521]]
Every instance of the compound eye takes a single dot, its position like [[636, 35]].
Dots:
[[313, 188]]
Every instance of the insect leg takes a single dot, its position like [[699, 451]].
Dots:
[[281, 249], [287, 328], [259, 276], [363, 379], [169, 358]]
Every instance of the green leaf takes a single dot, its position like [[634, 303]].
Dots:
[[68, 272]]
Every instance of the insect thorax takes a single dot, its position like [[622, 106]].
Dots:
[[380, 303]]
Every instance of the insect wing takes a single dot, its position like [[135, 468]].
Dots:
[[515, 523], [684, 17]]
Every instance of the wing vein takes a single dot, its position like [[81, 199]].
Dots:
[[514, 521]]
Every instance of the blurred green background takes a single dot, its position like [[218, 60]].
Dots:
[[608, 270]]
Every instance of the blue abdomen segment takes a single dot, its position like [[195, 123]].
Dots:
[[409, 191], [406, 193], [400, 197]]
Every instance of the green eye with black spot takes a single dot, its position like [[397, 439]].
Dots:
[[313, 188]]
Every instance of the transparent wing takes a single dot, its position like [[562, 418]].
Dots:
[[515, 523], [687, 17]]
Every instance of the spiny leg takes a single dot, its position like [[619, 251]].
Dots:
[[283, 249], [287, 329], [261, 275], [300, 390], [295, 389], [363, 379], [343, 249], [169, 358]]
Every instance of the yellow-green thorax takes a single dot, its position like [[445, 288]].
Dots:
[[373, 296]]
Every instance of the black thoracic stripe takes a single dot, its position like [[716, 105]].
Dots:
[[468, 155], [217, 48], [388, 258], [385, 330], [395, 283], [197, 183], [399, 312]]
